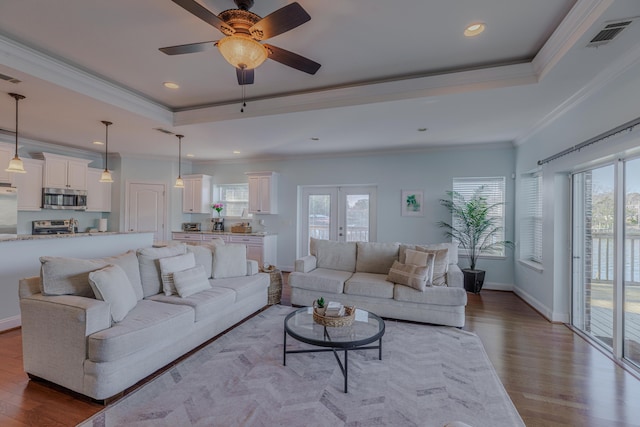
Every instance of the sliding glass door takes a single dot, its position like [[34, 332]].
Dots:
[[606, 256]]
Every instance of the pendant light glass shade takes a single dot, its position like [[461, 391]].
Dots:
[[16, 165], [106, 174], [179, 180]]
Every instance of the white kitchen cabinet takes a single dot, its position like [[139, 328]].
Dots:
[[64, 172], [196, 195], [263, 192], [29, 185], [98, 193], [260, 248], [6, 154], [189, 238]]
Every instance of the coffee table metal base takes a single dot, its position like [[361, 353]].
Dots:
[[343, 367]]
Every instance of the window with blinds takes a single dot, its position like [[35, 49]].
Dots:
[[493, 188], [234, 197], [531, 226]]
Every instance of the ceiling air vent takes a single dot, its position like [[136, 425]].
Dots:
[[168, 132], [9, 78], [609, 32]]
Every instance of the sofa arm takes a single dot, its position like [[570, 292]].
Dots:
[[306, 264], [54, 335], [455, 277], [252, 267]]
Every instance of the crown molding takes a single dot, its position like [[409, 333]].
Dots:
[[38, 64], [577, 22], [410, 87]]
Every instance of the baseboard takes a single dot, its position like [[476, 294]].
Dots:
[[10, 323], [494, 286], [550, 315]]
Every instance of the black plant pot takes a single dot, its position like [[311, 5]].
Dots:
[[473, 280]]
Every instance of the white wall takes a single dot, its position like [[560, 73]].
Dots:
[[431, 171], [606, 108]]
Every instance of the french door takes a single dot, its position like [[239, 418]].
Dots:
[[345, 213], [606, 256]]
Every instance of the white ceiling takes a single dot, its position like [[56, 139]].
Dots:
[[388, 69]]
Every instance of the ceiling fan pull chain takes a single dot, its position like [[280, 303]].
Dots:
[[244, 104]]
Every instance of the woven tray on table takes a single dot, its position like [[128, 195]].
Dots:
[[332, 321]]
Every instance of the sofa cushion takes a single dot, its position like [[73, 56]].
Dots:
[[334, 255], [244, 286], [411, 275], [374, 257], [170, 265], [320, 280], [150, 267], [229, 261], [70, 276], [112, 285], [204, 256], [146, 326], [206, 303], [436, 295], [369, 285], [191, 281]]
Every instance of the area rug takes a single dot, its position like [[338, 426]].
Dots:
[[428, 376]]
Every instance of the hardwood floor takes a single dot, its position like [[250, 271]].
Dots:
[[554, 377]]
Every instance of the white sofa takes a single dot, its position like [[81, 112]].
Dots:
[[356, 274], [98, 348]]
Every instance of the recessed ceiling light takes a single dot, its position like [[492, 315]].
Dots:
[[422, 129], [474, 29], [98, 142], [236, 152], [190, 155], [171, 85]]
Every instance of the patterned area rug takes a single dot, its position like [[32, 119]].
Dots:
[[428, 376]]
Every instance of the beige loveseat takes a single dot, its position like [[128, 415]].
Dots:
[[360, 274], [99, 326]]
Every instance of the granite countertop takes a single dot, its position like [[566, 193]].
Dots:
[[228, 233], [60, 236]]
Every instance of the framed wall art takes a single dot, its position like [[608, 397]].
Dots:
[[412, 203]]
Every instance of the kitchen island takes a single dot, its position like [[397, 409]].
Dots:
[[261, 247], [20, 257]]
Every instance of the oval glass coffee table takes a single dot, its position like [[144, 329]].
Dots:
[[366, 328]]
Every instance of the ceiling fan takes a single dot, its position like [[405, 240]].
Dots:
[[244, 31]]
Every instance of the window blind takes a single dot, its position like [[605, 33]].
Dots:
[[531, 226], [494, 191]]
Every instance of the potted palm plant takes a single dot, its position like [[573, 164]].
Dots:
[[475, 229]]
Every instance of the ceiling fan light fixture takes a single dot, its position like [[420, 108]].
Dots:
[[242, 51]]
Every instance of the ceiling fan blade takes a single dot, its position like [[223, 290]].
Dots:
[[282, 20], [292, 60], [245, 77], [188, 48], [204, 14]]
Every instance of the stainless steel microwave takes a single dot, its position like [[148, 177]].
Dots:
[[64, 198]]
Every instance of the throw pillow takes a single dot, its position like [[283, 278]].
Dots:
[[150, 268], [191, 281], [418, 258], [230, 260], [112, 285], [440, 265], [409, 275], [170, 265]]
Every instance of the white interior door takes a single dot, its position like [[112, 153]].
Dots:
[[146, 209], [344, 213]]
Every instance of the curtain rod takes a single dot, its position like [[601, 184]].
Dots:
[[629, 126]]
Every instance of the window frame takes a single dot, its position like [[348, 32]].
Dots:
[[219, 197]]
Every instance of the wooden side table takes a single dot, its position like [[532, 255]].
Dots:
[[275, 286]]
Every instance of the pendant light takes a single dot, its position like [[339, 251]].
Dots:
[[106, 174], [179, 180], [15, 164]]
